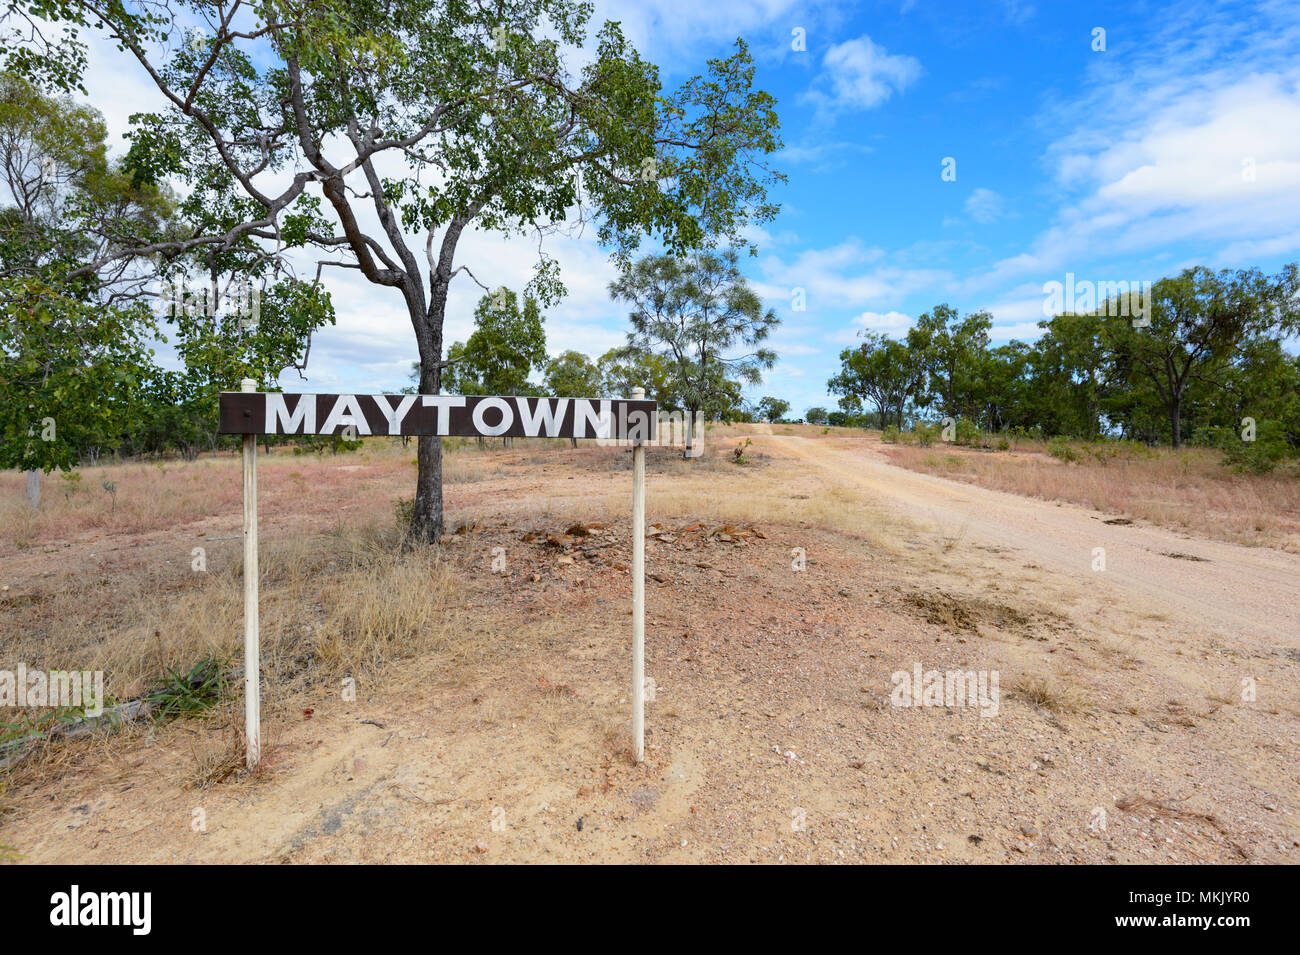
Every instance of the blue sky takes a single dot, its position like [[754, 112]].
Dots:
[[1176, 145]]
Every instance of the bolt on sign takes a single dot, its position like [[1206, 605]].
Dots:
[[250, 413], [444, 415]]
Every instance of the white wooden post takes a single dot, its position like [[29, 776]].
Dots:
[[252, 653], [638, 594], [34, 489]]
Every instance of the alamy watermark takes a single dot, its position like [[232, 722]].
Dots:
[[1085, 297], [75, 689], [673, 429], [950, 689]]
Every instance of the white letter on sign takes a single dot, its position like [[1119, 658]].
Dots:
[[584, 414], [547, 413], [442, 403], [395, 416], [507, 417], [346, 407], [302, 420]]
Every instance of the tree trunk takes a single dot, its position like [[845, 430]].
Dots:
[[426, 516], [1176, 421], [34, 489]]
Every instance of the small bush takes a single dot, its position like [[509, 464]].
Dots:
[[968, 433], [889, 435], [1064, 452], [1267, 451]]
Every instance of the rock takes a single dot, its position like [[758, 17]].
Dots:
[[480, 848]]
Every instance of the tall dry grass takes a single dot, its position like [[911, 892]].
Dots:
[[332, 605], [1188, 489]]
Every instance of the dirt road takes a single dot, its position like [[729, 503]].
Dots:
[[1252, 593]]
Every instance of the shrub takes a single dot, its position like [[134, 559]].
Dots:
[[1059, 449], [889, 435], [1260, 456]]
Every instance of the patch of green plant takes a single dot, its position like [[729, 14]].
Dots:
[[40, 727], [1266, 452], [71, 483], [1064, 452], [889, 435], [188, 692]]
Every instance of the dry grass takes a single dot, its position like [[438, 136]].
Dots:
[[1046, 693], [332, 605], [1188, 489]]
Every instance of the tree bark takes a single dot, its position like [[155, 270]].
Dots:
[[426, 516]]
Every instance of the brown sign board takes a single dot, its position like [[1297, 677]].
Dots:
[[446, 415]]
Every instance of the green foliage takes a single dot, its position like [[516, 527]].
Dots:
[[968, 433], [699, 316], [188, 693], [890, 434], [1269, 449], [1064, 452], [815, 416], [772, 409], [72, 373], [574, 375], [322, 444], [506, 346], [886, 372], [1211, 355], [622, 369], [42, 726]]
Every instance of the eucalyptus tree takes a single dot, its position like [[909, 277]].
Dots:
[[1199, 320], [380, 131], [699, 314], [772, 409], [73, 342], [573, 374], [881, 370]]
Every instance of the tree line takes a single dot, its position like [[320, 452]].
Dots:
[[1204, 360]]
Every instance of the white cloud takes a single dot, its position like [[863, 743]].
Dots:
[[889, 323], [845, 275], [984, 206], [862, 75]]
